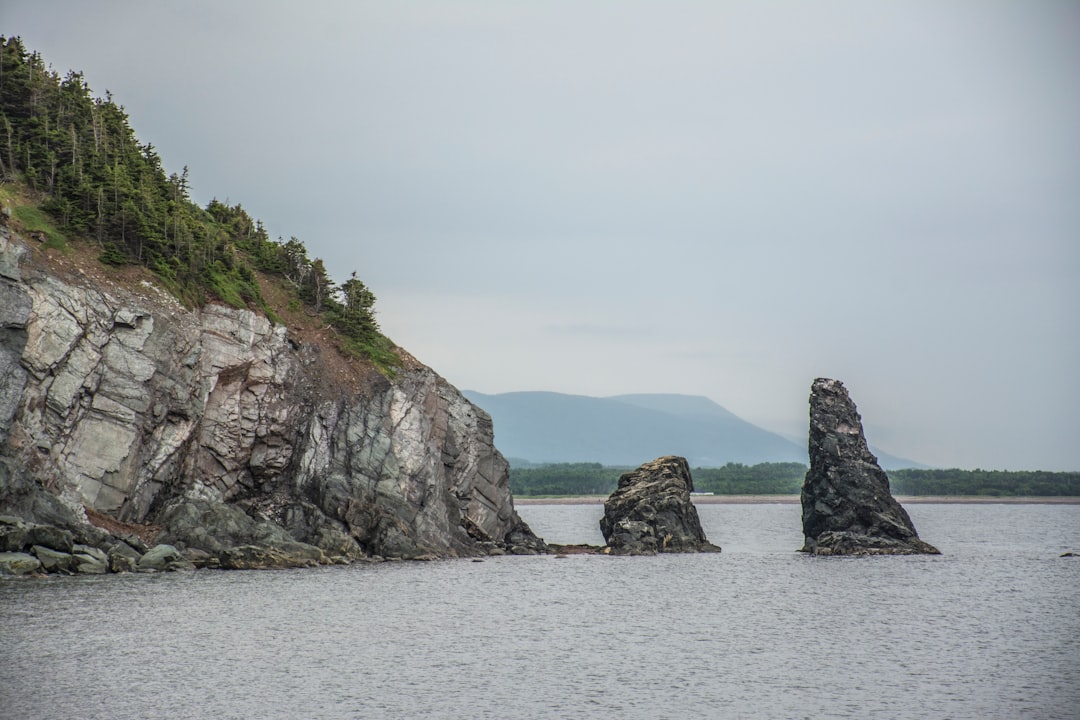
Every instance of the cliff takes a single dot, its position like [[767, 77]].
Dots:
[[215, 429]]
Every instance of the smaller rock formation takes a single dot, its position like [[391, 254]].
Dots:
[[650, 512], [847, 507]]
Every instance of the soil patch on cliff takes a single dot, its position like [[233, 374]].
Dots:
[[145, 532]]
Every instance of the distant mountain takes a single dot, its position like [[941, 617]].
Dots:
[[548, 427], [627, 430]]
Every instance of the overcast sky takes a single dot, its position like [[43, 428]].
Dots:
[[725, 199]]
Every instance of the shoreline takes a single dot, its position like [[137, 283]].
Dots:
[[794, 500]]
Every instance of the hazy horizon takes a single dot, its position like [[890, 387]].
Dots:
[[718, 199]]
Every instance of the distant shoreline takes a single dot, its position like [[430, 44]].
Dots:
[[794, 500]]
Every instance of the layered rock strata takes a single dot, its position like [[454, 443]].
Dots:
[[226, 431], [651, 512], [847, 507]]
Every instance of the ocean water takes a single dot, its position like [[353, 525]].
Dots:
[[990, 629]]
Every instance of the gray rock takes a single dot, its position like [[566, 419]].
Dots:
[[519, 541], [17, 563], [651, 512], [51, 536], [847, 506], [54, 561], [200, 558], [13, 533], [123, 558], [90, 560], [128, 404], [254, 557], [216, 527], [161, 558]]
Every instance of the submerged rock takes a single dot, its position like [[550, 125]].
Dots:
[[651, 512], [847, 507]]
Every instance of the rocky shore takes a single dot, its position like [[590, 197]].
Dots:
[[243, 443]]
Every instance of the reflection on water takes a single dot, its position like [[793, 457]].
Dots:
[[990, 629]]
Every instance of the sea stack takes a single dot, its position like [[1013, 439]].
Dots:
[[847, 507], [650, 512]]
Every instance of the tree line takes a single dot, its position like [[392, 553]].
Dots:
[[994, 483], [79, 155], [785, 478]]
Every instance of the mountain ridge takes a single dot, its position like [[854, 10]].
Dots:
[[629, 429]]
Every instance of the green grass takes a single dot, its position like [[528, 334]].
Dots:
[[35, 220], [379, 349]]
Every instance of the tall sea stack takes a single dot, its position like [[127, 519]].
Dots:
[[847, 507]]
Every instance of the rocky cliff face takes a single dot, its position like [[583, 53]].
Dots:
[[847, 507], [224, 430], [651, 512]]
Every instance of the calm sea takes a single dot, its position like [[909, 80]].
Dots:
[[990, 629]]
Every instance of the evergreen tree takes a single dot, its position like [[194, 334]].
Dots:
[[81, 156]]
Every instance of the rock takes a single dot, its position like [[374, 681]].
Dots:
[[216, 527], [51, 536], [521, 541], [123, 558], [847, 507], [200, 558], [54, 561], [18, 563], [121, 401], [161, 558], [90, 560], [651, 512], [254, 557], [12, 534]]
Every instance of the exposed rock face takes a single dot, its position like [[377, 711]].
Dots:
[[223, 430], [651, 512], [847, 507]]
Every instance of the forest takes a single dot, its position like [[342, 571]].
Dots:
[[786, 479], [77, 170]]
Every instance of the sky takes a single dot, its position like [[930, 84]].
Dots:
[[725, 199]]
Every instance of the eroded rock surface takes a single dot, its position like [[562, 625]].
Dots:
[[651, 512], [228, 433], [847, 507]]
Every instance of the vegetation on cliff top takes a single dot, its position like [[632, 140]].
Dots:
[[79, 158]]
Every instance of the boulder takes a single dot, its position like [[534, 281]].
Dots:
[[90, 560], [200, 558], [12, 534], [51, 536], [847, 507], [651, 512], [17, 563], [257, 557], [123, 558], [161, 558], [54, 561], [216, 527], [520, 541]]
